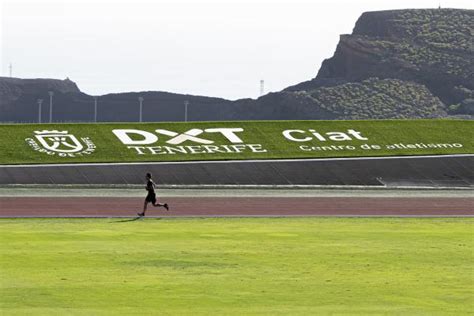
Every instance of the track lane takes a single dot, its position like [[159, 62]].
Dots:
[[237, 206]]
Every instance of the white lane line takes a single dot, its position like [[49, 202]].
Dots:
[[238, 216], [229, 161]]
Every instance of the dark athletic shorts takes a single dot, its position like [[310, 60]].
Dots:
[[151, 197]]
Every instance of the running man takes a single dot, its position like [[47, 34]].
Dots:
[[151, 197]]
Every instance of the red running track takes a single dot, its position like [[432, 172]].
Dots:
[[236, 206]]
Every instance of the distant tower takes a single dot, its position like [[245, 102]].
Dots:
[[262, 87], [11, 69]]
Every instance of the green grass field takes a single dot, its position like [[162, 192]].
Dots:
[[284, 266], [268, 134]]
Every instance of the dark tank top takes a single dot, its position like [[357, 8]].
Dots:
[[149, 186]]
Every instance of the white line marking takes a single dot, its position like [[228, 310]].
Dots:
[[239, 216], [229, 161]]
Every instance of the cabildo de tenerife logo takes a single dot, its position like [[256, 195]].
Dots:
[[60, 143]]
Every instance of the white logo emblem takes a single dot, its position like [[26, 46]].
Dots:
[[61, 143]]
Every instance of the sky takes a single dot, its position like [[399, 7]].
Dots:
[[212, 48]]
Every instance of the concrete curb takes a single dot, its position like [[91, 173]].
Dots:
[[236, 187]]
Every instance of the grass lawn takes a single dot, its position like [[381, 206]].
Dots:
[[377, 138], [297, 266]]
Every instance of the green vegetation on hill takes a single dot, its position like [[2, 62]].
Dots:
[[445, 28], [292, 266], [255, 140], [374, 98], [416, 56], [428, 38]]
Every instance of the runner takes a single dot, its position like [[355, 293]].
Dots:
[[151, 197]]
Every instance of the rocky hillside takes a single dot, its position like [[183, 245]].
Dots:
[[16, 93], [434, 48], [395, 64]]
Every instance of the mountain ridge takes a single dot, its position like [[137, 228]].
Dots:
[[424, 53]]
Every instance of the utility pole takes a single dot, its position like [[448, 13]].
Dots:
[[95, 108], [40, 101], [186, 103], [140, 99], [51, 93]]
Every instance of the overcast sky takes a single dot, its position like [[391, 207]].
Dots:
[[214, 48]]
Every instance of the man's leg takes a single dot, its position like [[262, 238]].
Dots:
[[144, 208], [165, 205]]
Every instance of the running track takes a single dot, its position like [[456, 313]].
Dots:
[[237, 206]]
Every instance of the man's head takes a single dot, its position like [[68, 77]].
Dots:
[[148, 176]]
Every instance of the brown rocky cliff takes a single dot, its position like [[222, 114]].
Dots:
[[432, 47]]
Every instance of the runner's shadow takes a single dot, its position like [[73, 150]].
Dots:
[[128, 220], [133, 219]]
